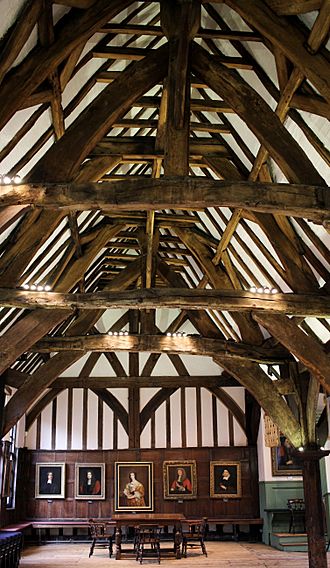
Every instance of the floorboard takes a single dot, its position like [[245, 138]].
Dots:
[[229, 554]]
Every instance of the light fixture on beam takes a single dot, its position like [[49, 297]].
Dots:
[[263, 290]]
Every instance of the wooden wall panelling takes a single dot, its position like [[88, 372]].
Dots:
[[69, 507]]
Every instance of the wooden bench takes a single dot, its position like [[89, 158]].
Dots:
[[43, 527], [253, 523], [17, 527]]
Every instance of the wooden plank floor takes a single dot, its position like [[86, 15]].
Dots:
[[230, 554]]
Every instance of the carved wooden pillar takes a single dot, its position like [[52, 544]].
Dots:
[[314, 507], [180, 20]]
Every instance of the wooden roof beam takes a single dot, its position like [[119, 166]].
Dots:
[[250, 107], [162, 344], [305, 305], [16, 37], [180, 193], [287, 37], [95, 120], [44, 60]]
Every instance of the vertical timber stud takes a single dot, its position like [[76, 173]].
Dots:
[[180, 21], [133, 392], [314, 509], [2, 399]]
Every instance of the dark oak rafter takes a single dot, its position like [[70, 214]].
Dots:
[[78, 27], [306, 305], [14, 40], [289, 39], [96, 120], [255, 112], [309, 351], [181, 193], [314, 357]]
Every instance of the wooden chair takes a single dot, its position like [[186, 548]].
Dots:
[[193, 535], [297, 514], [147, 542], [101, 533]]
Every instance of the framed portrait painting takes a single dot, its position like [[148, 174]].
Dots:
[[90, 481], [134, 486], [50, 481], [179, 479], [284, 459], [225, 479]]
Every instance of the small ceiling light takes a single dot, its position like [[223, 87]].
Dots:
[[6, 180], [260, 290], [121, 333], [301, 449], [17, 179], [253, 289], [47, 288], [274, 291], [26, 287], [126, 333], [40, 288], [33, 287], [115, 333], [169, 334], [110, 333], [266, 290]]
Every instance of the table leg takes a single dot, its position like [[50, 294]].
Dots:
[[177, 544], [118, 542]]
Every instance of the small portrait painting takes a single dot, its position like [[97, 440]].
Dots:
[[284, 459], [50, 479], [179, 480], [134, 486], [90, 481], [225, 479]]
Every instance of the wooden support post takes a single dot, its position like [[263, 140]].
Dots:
[[180, 22], [314, 507]]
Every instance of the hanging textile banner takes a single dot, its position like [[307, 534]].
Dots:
[[272, 433]]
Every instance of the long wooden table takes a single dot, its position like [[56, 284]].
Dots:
[[137, 519]]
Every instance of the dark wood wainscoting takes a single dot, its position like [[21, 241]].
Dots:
[[247, 506]]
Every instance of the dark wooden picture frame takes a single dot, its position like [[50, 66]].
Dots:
[[134, 486], [225, 479], [180, 479], [284, 460], [50, 481], [90, 481]]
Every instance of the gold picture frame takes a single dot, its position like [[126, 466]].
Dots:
[[134, 490], [180, 480], [284, 459], [50, 481], [225, 479], [90, 481]]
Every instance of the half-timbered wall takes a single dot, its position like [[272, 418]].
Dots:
[[76, 419]]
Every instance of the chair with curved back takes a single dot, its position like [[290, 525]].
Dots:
[[193, 535], [297, 514], [147, 542], [101, 533]]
